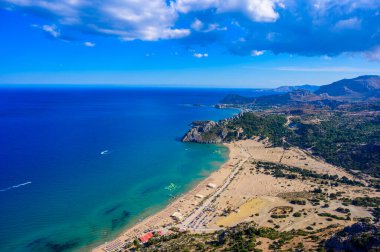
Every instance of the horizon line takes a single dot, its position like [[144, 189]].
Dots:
[[114, 85]]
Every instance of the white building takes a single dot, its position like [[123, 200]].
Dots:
[[211, 185], [177, 216]]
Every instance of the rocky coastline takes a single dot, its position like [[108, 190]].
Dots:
[[208, 132]]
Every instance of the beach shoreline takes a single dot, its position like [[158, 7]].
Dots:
[[240, 191], [187, 202]]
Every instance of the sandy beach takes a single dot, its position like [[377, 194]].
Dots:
[[185, 204], [240, 192]]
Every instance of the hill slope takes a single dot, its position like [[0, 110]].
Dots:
[[362, 87]]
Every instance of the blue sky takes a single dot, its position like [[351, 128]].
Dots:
[[208, 43]]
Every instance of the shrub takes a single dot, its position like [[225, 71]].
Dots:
[[278, 216], [297, 214], [298, 202]]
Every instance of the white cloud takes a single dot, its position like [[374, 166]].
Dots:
[[256, 10], [271, 36], [186, 6], [351, 23], [256, 53], [282, 5], [147, 20], [325, 57], [89, 44], [374, 54], [215, 27], [251, 24], [52, 30], [200, 55], [197, 25], [128, 19], [323, 7], [69, 11]]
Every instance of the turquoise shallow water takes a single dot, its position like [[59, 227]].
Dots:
[[59, 193]]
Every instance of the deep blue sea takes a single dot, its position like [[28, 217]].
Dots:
[[78, 165]]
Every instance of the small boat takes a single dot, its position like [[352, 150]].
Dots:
[[105, 152]]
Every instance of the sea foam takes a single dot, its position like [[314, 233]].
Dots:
[[15, 186]]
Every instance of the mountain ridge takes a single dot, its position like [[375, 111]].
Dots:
[[284, 89], [364, 86], [361, 88]]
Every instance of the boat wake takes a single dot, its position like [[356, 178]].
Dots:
[[15, 186]]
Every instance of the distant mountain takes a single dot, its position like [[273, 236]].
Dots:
[[236, 99], [285, 89], [269, 94], [363, 87], [297, 95]]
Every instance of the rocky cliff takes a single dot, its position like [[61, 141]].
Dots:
[[212, 132], [203, 132]]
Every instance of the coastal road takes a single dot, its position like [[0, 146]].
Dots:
[[207, 203]]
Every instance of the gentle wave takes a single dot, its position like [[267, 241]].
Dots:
[[15, 186]]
